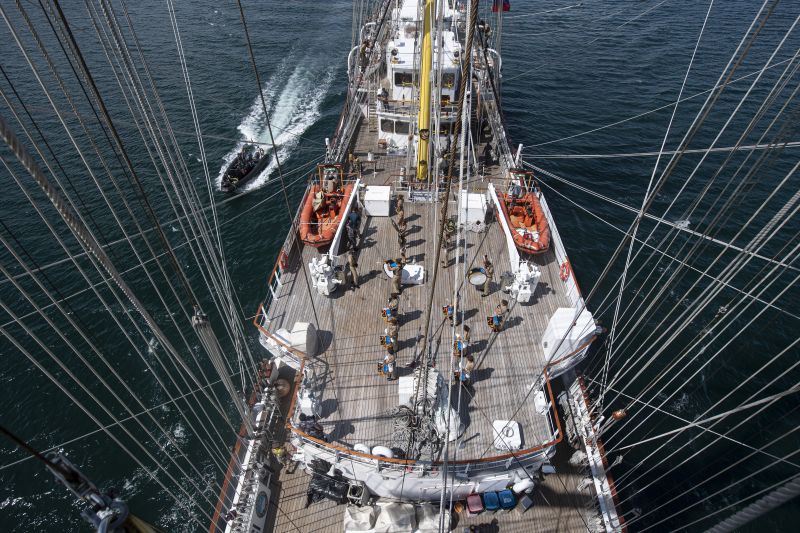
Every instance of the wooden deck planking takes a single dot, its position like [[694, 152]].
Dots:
[[357, 399]]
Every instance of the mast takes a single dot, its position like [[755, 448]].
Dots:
[[424, 120]]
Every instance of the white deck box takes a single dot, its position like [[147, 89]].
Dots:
[[561, 324], [378, 200], [472, 211]]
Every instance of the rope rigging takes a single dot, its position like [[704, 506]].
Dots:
[[121, 147], [660, 262], [106, 512], [657, 109], [80, 328], [692, 131], [637, 221], [760, 507], [137, 348], [718, 220], [795, 144], [112, 180], [93, 246]]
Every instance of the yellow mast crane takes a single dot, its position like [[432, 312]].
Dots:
[[424, 120]]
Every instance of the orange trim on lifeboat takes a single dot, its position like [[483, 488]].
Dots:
[[318, 228], [530, 220]]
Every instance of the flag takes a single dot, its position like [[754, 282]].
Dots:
[[496, 5]]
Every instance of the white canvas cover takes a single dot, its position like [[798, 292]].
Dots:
[[395, 518], [428, 519], [303, 338], [560, 324], [359, 518]]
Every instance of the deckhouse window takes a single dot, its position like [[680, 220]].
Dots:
[[387, 126], [403, 79], [449, 80], [401, 127]]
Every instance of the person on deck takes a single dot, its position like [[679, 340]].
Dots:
[[397, 283], [351, 237], [503, 307], [353, 266], [499, 317], [389, 366], [397, 276], [390, 341], [488, 269], [467, 367], [391, 311], [392, 332], [402, 232], [354, 217], [449, 311], [459, 350]]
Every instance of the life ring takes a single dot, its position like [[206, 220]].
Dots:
[[283, 261], [363, 448], [563, 272], [383, 451]]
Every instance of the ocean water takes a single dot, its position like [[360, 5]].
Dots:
[[578, 78]]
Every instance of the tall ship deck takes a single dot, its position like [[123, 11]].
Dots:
[[390, 397]]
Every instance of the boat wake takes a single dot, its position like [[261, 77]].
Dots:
[[293, 101]]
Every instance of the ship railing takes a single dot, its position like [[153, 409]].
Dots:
[[344, 220], [573, 289], [609, 501], [508, 161], [500, 138], [287, 255], [534, 455], [282, 265], [409, 107]]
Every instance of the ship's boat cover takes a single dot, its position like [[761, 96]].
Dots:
[[565, 326], [395, 518], [359, 518]]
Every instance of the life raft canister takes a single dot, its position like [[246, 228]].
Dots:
[[283, 260], [563, 272]]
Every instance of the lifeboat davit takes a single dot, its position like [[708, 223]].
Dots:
[[529, 226], [322, 213]]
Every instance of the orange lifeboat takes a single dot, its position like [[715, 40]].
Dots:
[[322, 212], [529, 227]]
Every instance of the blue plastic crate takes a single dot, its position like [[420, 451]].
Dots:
[[507, 499], [491, 502]]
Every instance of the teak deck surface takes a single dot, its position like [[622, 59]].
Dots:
[[357, 400]]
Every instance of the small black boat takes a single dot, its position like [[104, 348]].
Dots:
[[248, 163]]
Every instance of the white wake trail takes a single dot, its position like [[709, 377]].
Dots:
[[294, 106]]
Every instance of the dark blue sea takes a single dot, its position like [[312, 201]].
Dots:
[[585, 85]]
